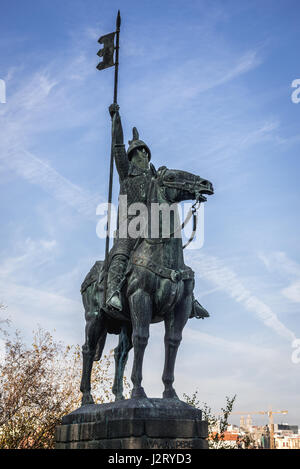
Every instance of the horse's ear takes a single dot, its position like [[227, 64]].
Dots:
[[153, 170]]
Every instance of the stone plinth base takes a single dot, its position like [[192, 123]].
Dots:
[[134, 424]]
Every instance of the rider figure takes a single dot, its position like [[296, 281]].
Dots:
[[134, 174]]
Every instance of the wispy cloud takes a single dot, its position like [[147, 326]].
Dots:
[[51, 89], [31, 255], [39, 172], [226, 72], [201, 107], [278, 261], [292, 292], [179, 83], [27, 110], [287, 268], [227, 145], [218, 273], [235, 347], [30, 305]]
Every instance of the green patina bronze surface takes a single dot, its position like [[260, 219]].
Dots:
[[146, 278]]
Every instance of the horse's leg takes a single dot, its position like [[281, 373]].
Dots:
[[95, 333], [121, 356], [141, 312], [174, 324]]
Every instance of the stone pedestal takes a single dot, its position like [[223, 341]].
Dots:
[[134, 424]]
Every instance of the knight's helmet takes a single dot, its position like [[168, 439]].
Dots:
[[136, 143]]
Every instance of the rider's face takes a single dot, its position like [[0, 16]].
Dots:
[[140, 157]]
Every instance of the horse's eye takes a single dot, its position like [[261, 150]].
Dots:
[[171, 177]]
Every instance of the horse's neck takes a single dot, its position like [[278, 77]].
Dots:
[[168, 253], [163, 251]]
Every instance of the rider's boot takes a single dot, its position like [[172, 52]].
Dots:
[[198, 311], [116, 274]]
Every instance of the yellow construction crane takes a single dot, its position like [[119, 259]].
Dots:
[[270, 413]]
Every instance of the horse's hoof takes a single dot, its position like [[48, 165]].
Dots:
[[170, 394], [138, 393], [87, 400], [119, 398]]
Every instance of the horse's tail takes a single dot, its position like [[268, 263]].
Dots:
[[92, 276]]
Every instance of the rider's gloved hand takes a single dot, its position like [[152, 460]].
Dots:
[[113, 109]]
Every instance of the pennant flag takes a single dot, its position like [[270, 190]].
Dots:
[[107, 52]]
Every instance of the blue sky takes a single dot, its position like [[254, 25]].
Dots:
[[208, 84]]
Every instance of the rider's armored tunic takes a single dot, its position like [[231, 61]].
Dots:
[[134, 183]]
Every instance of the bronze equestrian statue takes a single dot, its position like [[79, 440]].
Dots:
[[147, 280]]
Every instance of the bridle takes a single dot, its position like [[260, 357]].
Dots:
[[192, 211]]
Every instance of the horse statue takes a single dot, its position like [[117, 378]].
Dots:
[[158, 287]]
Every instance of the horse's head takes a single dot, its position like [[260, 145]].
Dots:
[[180, 185]]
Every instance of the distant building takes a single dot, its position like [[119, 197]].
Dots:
[[230, 439], [287, 442], [284, 427], [294, 442]]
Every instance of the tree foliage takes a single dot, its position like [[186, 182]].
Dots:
[[39, 384], [217, 426]]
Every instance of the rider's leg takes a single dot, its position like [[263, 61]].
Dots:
[[198, 311], [116, 274], [141, 312]]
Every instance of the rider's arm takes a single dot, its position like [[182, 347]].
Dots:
[[119, 151]]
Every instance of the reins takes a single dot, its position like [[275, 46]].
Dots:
[[191, 213]]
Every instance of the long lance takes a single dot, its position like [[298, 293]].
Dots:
[[118, 24]]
